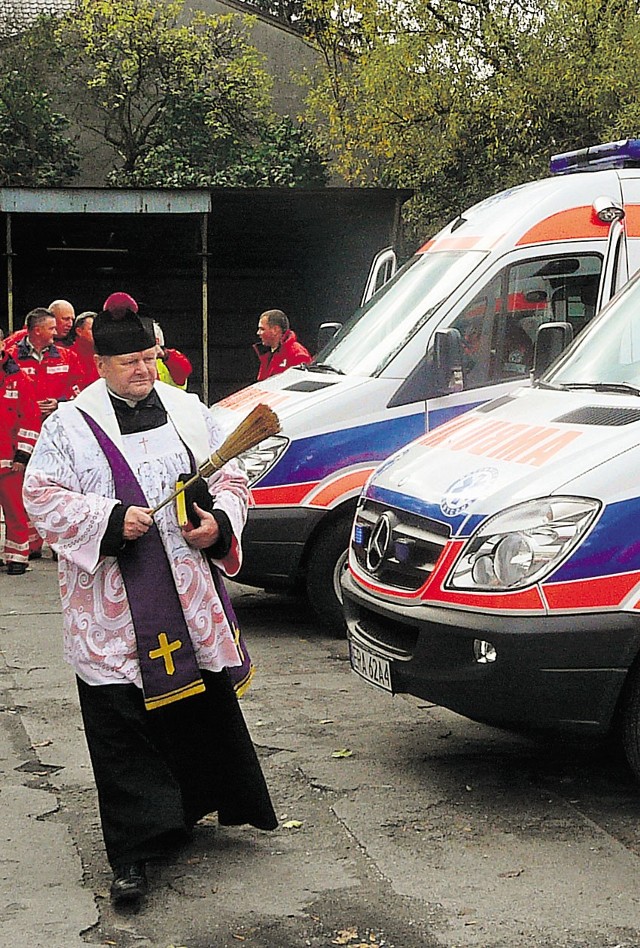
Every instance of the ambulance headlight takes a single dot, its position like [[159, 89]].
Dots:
[[260, 459], [522, 545]]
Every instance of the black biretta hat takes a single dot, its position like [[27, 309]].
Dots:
[[119, 329]]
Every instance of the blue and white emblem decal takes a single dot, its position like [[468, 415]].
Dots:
[[459, 496]]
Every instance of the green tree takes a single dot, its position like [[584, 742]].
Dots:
[[290, 11], [180, 102], [458, 99], [275, 153], [36, 148]]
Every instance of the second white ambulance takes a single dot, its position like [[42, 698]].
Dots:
[[495, 562]]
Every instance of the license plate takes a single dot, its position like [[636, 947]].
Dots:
[[370, 667]]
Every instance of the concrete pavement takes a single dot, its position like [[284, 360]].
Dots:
[[429, 831], [42, 898]]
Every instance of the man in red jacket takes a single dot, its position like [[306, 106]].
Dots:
[[65, 316], [278, 348], [55, 372], [19, 427]]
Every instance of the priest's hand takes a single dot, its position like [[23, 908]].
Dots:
[[137, 521], [206, 534]]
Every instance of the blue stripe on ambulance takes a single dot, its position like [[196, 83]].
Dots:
[[316, 457], [412, 504], [604, 551]]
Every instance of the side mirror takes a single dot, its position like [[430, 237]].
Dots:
[[326, 332], [551, 340], [447, 357]]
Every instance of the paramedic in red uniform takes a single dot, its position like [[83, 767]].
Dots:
[[84, 348], [54, 372], [19, 427], [65, 316], [278, 348]]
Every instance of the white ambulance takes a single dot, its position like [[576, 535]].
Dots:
[[495, 562], [555, 249]]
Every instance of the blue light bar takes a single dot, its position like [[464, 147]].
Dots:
[[622, 154]]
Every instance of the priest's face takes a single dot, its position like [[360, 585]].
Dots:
[[131, 375]]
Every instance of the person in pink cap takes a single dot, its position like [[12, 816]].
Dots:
[[174, 368], [119, 303]]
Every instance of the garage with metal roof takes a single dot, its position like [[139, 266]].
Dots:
[[204, 263]]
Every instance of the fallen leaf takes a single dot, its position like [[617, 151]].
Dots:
[[238, 937], [344, 936], [343, 752], [326, 721], [510, 875], [292, 824], [42, 744]]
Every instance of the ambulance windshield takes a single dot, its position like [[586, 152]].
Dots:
[[373, 335], [607, 355]]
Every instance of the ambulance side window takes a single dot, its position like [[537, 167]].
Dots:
[[499, 326]]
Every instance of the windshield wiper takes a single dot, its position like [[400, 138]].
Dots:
[[622, 387], [323, 367]]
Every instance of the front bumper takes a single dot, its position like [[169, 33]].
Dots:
[[550, 673]]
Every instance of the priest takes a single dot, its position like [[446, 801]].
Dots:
[[148, 627]]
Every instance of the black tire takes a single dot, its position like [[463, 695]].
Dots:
[[327, 560], [629, 722]]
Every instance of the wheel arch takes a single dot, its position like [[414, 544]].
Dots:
[[346, 508]]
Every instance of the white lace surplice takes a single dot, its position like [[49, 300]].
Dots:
[[69, 495]]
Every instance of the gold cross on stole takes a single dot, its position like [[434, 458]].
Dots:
[[164, 650]]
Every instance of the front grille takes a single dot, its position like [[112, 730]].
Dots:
[[413, 548]]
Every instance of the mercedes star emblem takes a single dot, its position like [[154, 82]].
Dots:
[[379, 542]]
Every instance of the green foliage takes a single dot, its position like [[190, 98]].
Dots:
[[35, 146], [129, 62], [274, 154], [182, 101], [290, 11], [460, 99]]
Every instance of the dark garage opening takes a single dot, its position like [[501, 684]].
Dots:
[[306, 252]]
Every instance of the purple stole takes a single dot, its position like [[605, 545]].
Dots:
[[242, 674], [167, 661]]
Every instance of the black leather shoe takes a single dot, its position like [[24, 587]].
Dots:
[[16, 569], [35, 555], [129, 883]]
